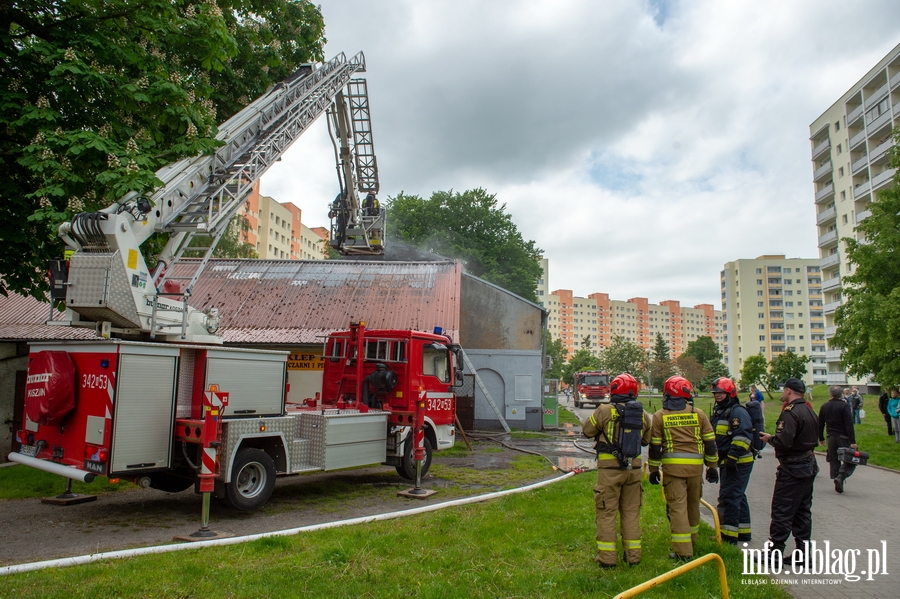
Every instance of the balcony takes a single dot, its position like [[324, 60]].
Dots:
[[882, 179], [829, 238], [831, 284], [815, 291], [878, 95], [825, 216], [825, 193], [854, 114], [830, 307], [829, 261], [880, 151], [820, 149], [823, 171], [877, 124], [895, 80], [862, 189], [836, 378], [830, 331], [833, 355], [857, 139], [863, 215], [859, 164]]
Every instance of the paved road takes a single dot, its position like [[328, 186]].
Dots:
[[864, 517]]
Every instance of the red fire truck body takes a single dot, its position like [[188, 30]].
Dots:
[[133, 410], [591, 387]]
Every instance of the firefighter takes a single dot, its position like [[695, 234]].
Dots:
[[682, 439], [796, 436], [618, 489], [734, 429]]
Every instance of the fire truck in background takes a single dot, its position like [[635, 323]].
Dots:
[[591, 387], [190, 411]]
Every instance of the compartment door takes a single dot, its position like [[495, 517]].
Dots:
[[144, 413]]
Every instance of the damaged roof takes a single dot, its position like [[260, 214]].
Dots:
[[23, 318], [301, 301]]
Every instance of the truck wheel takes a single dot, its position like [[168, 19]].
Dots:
[[252, 480], [163, 481], [407, 469]]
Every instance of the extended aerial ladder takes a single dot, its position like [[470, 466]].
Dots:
[[108, 284]]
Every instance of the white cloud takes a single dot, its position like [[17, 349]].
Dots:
[[641, 157]]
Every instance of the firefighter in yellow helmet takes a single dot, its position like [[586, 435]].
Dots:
[[620, 428], [682, 439]]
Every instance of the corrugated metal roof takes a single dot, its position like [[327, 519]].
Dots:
[[24, 318], [293, 301]]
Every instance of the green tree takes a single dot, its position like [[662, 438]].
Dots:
[[97, 95], [621, 356], [470, 226], [755, 372], [788, 365], [557, 353], [868, 321], [690, 369], [714, 369], [703, 349], [583, 359], [660, 367]]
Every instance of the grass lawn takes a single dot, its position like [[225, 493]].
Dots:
[[20, 482], [535, 544]]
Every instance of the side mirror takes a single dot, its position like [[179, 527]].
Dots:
[[458, 378]]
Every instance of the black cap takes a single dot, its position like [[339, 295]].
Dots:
[[795, 385]]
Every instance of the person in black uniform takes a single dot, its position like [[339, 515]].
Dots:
[[796, 436], [836, 419]]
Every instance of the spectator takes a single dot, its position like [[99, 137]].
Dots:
[[856, 404], [846, 395], [836, 420], [882, 407], [892, 408], [756, 394]]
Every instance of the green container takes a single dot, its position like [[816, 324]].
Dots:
[[551, 403]]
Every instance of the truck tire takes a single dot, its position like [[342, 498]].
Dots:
[[407, 468], [252, 480]]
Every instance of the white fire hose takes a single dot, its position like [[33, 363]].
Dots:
[[96, 557]]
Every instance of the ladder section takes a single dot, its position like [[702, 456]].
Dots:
[[361, 125], [484, 390]]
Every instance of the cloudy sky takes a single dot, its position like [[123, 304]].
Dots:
[[641, 143]]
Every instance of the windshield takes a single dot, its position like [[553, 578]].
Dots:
[[595, 379]]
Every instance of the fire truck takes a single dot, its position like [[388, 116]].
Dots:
[[158, 400], [591, 387]]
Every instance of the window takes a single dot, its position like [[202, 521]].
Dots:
[[762, 337], [435, 363], [759, 271], [840, 171], [844, 219], [762, 327], [759, 293], [839, 149], [837, 126]]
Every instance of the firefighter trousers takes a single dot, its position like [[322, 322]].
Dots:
[[618, 492], [683, 511], [792, 502], [734, 511]]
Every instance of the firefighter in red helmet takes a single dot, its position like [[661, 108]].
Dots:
[[734, 438], [682, 439], [616, 427]]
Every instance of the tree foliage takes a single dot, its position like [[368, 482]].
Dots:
[[660, 367], [755, 371], [97, 95], [470, 226], [703, 349], [788, 365], [623, 355], [557, 353], [583, 359], [714, 369], [230, 244], [690, 368], [868, 321]]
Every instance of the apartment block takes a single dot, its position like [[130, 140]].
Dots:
[[851, 163], [277, 232], [770, 305], [599, 318]]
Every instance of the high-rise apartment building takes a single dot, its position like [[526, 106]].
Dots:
[[771, 305], [598, 318], [276, 231], [851, 163]]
